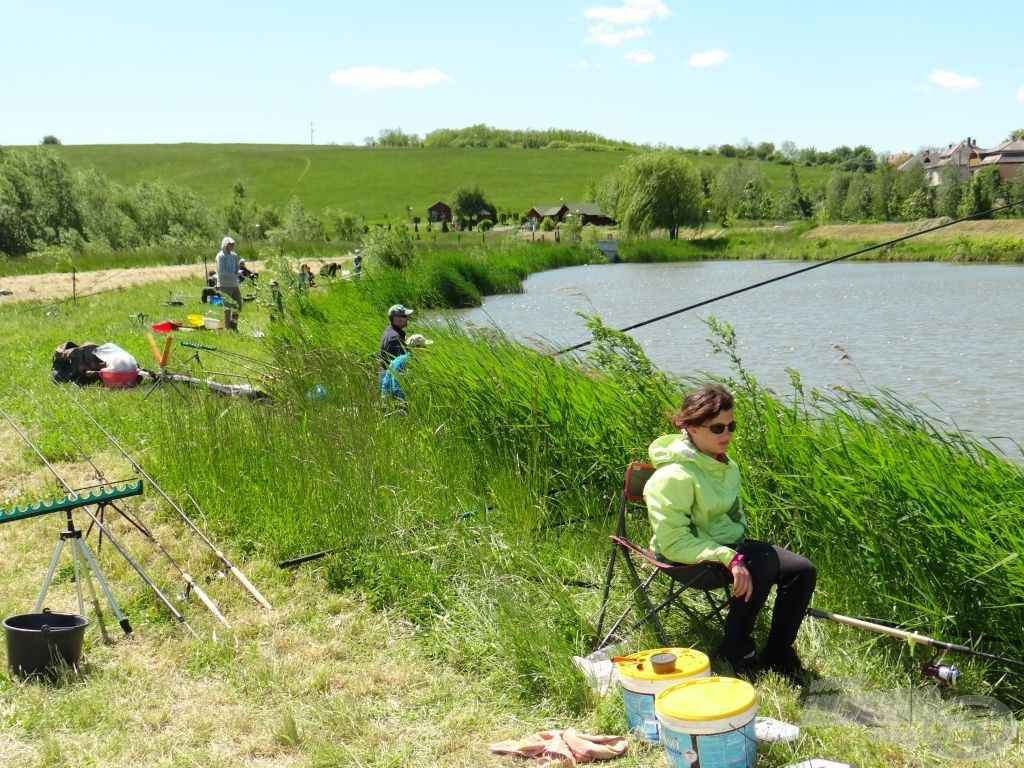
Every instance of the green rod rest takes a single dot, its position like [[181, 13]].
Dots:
[[72, 500]]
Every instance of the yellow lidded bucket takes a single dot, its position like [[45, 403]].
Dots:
[[710, 721], [195, 321], [644, 673]]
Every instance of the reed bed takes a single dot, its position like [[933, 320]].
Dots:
[[488, 492]]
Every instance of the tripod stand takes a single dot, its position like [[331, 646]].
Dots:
[[81, 556], [163, 376]]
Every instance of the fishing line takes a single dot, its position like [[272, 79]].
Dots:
[[776, 279]]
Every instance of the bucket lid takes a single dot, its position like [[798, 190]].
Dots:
[[689, 662], [706, 698]]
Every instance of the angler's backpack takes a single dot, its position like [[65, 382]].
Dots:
[[75, 364]]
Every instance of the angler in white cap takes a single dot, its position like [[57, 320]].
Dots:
[[227, 282], [389, 384]]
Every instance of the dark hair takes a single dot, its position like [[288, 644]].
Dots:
[[702, 405]]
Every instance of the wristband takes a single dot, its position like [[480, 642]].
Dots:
[[736, 560]]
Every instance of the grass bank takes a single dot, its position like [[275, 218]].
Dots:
[[470, 524], [376, 182]]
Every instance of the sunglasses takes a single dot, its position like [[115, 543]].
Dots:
[[717, 429]]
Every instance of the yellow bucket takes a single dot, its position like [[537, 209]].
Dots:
[[710, 721], [195, 321], [644, 673]]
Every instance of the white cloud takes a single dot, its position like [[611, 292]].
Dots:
[[605, 34], [953, 82], [630, 12], [708, 58], [1020, 93], [637, 57], [371, 78]]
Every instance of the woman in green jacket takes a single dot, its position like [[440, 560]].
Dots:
[[696, 513]]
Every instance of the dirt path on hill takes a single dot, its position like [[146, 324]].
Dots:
[[57, 286]]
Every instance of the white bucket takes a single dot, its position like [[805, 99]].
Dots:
[[641, 682], [212, 323], [710, 721]]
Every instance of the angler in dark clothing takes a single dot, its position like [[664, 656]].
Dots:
[[392, 343]]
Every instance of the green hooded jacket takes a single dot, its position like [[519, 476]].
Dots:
[[693, 503]]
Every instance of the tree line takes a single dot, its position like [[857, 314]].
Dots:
[[860, 157], [665, 190], [45, 204]]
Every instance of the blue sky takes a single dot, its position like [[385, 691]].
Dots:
[[894, 76]]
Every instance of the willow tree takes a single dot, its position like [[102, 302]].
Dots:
[[658, 190]]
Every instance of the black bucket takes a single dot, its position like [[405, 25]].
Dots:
[[40, 643]]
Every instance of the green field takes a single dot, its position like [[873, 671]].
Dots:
[[377, 181]]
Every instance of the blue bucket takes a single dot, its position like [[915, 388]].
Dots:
[[641, 677], [710, 721]]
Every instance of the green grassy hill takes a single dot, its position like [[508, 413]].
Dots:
[[373, 181]]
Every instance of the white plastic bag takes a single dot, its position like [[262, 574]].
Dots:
[[116, 358]]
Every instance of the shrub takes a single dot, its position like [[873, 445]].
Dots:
[[391, 245]]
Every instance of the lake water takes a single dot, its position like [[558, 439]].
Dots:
[[945, 337]]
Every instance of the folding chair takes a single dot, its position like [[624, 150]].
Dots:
[[664, 586]]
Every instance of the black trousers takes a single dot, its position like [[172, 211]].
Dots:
[[793, 575]]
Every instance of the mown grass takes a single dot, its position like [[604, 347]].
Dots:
[[374, 182], [470, 524], [801, 243]]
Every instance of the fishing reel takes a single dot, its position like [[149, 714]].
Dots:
[[946, 674]]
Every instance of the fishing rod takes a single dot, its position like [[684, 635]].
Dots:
[[181, 513], [306, 558], [190, 583], [795, 272], [103, 529], [913, 637], [292, 562], [224, 559], [228, 355]]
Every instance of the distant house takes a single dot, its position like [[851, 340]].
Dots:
[[588, 213], [968, 157], [439, 212], [1008, 157], [541, 212], [483, 213]]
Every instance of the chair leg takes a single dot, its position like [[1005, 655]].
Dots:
[[609, 572], [652, 612], [622, 617]]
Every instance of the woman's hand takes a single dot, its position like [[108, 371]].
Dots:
[[742, 584]]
